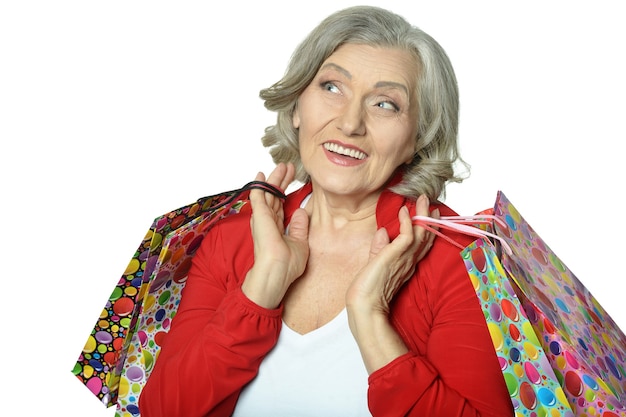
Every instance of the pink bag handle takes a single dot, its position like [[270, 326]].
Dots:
[[463, 224]]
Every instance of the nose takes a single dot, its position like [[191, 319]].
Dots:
[[352, 119]]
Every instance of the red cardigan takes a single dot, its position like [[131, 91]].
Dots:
[[219, 337]]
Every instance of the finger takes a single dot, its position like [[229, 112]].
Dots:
[[380, 240], [299, 225], [428, 239], [289, 177], [430, 236], [421, 209], [426, 244], [406, 227], [280, 177], [414, 236], [259, 203], [437, 216], [277, 176], [255, 193], [421, 205]]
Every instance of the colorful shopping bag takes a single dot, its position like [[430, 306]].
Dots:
[[533, 386], [121, 350], [586, 348], [560, 353]]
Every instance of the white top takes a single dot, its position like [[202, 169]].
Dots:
[[320, 373]]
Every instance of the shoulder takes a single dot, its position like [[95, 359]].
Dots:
[[228, 235], [390, 203]]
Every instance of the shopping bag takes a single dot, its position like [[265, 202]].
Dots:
[[529, 376], [560, 353], [586, 348], [121, 350]]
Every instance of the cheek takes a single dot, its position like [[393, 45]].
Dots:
[[305, 144], [409, 145], [402, 152], [409, 154], [295, 119]]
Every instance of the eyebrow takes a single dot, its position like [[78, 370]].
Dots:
[[338, 68], [393, 85], [379, 84]]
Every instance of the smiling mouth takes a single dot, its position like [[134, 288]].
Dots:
[[338, 149]]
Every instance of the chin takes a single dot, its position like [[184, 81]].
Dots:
[[344, 186]]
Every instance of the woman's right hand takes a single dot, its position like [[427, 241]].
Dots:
[[279, 258]]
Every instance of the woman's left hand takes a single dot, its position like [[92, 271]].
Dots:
[[390, 265]]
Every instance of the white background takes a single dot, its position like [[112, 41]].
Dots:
[[112, 113]]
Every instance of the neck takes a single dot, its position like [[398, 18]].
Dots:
[[339, 213]]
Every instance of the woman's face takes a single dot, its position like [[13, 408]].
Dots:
[[357, 119]]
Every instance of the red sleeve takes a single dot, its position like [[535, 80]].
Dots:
[[452, 369], [217, 339]]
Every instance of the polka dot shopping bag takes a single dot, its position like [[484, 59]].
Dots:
[[560, 353], [121, 350]]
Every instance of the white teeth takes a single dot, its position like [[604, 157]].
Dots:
[[353, 153]]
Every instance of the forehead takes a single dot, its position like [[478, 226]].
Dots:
[[386, 63]]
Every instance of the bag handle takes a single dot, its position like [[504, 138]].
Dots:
[[235, 194], [261, 185], [463, 224]]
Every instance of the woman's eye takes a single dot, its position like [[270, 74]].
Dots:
[[388, 105], [328, 86]]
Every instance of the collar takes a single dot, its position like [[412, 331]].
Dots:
[[389, 204]]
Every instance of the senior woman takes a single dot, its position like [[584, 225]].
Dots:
[[332, 303]]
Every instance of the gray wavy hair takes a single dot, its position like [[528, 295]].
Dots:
[[436, 147]]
